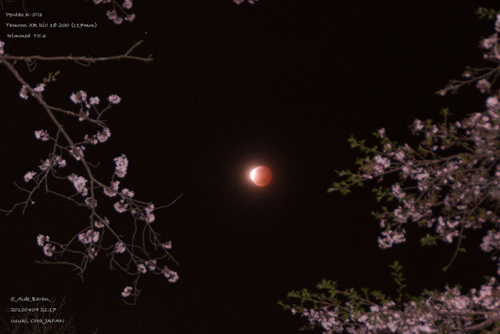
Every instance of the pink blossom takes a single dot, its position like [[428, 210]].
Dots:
[[46, 165], [130, 17], [88, 237], [40, 88], [121, 163], [79, 149], [79, 183], [91, 202], [101, 223], [121, 206], [23, 93], [127, 4], [118, 20], [127, 291], [112, 190], [48, 249], [128, 193], [42, 239], [42, 135], [171, 275], [120, 247], [141, 268], [92, 252], [111, 14], [114, 99], [418, 125], [151, 264], [489, 42], [94, 100], [29, 176]]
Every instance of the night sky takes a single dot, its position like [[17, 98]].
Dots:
[[279, 83]]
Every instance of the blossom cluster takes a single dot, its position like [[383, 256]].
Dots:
[[80, 98], [85, 186], [23, 93], [169, 274], [121, 15], [449, 184], [92, 237], [439, 188], [490, 44], [434, 312], [125, 249]]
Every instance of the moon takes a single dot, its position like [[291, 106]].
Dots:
[[261, 176]]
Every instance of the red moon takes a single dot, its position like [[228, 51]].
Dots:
[[261, 176]]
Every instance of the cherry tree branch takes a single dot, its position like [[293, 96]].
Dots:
[[81, 60]]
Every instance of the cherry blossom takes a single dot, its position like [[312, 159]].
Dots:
[[42, 135], [120, 247], [101, 223], [170, 275], [121, 206], [29, 176], [48, 250], [141, 268], [127, 291], [121, 163], [449, 184], [88, 237], [42, 239], [112, 190]]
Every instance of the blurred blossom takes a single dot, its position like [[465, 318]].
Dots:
[[127, 291], [114, 99], [48, 250], [120, 247], [29, 176], [42, 239], [127, 4], [141, 268], [121, 163]]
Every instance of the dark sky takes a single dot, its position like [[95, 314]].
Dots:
[[280, 83]]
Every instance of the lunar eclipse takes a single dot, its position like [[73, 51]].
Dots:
[[261, 176]]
